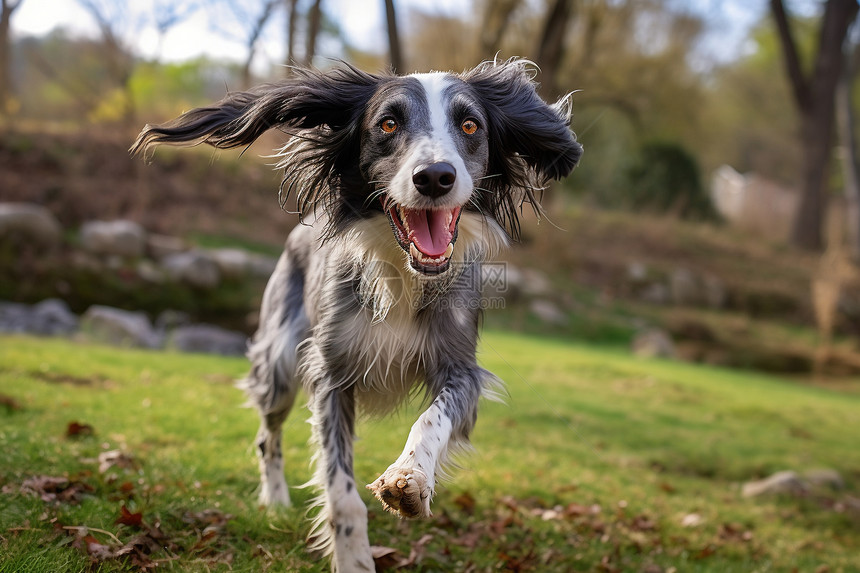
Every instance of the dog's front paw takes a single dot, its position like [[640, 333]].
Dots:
[[403, 491]]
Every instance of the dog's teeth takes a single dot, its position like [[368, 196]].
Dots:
[[421, 257]]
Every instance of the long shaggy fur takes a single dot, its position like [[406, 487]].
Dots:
[[363, 309]]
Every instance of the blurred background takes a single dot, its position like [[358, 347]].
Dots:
[[714, 217]]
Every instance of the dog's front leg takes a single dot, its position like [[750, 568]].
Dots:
[[407, 486], [341, 526]]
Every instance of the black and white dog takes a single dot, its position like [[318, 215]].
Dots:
[[405, 185]]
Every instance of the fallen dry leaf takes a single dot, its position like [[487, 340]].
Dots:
[[416, 554], [115, 458], [705, 552], [692, 520], [126, 517], [56, 489], [207, 519], [10, 403], [385, 557], [466, 502], [76, 429], [643, 523]]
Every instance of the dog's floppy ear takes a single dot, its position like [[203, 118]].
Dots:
[[309, 99], [522, 124], [530, 141]]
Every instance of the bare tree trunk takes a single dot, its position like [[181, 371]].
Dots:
[[497, 16], [256, 31], [314, 22], [815, 100], [292, 14], [6, 91], [393, 39], [848, 143], [120, 62], [551, 47]]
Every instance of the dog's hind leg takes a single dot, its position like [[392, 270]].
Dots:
[[340, 527], [272, 384]]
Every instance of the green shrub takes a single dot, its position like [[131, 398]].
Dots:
[[665, 178]]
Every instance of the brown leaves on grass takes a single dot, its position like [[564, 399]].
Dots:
[[76, 429], [466, 502], [10, 403], [115, 458], [53, 489], [128, 518], [200, 536], [138, 551], [386, 558]]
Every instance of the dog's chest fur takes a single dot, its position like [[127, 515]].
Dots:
[[385, 326]]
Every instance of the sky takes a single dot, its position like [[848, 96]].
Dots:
[[362, 22]]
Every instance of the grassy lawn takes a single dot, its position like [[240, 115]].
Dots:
[[599, 462]]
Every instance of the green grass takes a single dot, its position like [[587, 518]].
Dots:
[[591, 466]]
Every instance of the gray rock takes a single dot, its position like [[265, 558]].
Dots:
[[684, 288], [120, 327], [824, 477], [637, 272], [160, 246], [29, 224], [548, 312], [121, 237], [54, 317], [150, 272], [14, 317], [232, 263], [715, 293], [50, 317], [655, 293], [170, 319], [209, 339], [653, 343], [82, 261], [193, 268], [780, 482]]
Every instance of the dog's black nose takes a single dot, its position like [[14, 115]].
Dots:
[[435, 180]]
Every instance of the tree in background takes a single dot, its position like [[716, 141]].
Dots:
[[245, 22], [314, 24], [814, 96], [116, 21], [848, 140], [551, 44], [394, 50], [292, 7], [7, 7], [496, 19]]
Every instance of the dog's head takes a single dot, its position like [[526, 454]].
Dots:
[[422, 149]]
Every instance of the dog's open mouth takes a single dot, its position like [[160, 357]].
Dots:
[[428, 235]]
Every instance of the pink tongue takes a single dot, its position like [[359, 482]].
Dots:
[[431, 230]]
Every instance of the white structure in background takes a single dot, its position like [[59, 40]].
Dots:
[[753, 203]]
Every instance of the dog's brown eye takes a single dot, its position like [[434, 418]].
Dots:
[[469, 127], [388, 125]]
